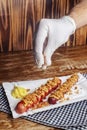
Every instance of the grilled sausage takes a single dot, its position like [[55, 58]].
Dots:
[[37, 96], [63, 89]]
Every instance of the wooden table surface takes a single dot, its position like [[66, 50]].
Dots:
[[17, 66]]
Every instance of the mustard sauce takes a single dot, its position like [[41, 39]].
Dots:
[[19, 92]]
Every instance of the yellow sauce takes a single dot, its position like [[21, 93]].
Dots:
[[19, 92]]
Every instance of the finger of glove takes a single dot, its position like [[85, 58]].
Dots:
[[39, 43], [39, 58], [51, 47], [48, 52]]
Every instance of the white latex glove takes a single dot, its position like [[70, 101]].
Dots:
[[57, 32]]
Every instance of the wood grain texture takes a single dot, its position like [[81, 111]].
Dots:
[[16, 66], [18, 20], [8, 123]]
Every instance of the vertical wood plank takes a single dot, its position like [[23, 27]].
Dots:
[[18, 19]]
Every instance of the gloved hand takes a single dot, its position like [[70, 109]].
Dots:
[[51, 34]]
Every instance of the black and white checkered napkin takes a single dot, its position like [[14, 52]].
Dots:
[[68, 117]]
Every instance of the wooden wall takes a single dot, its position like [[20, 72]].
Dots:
[[18, 19]]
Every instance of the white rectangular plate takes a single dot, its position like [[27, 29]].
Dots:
[[34, 84]]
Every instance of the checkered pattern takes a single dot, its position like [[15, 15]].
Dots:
[[68, 117]]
